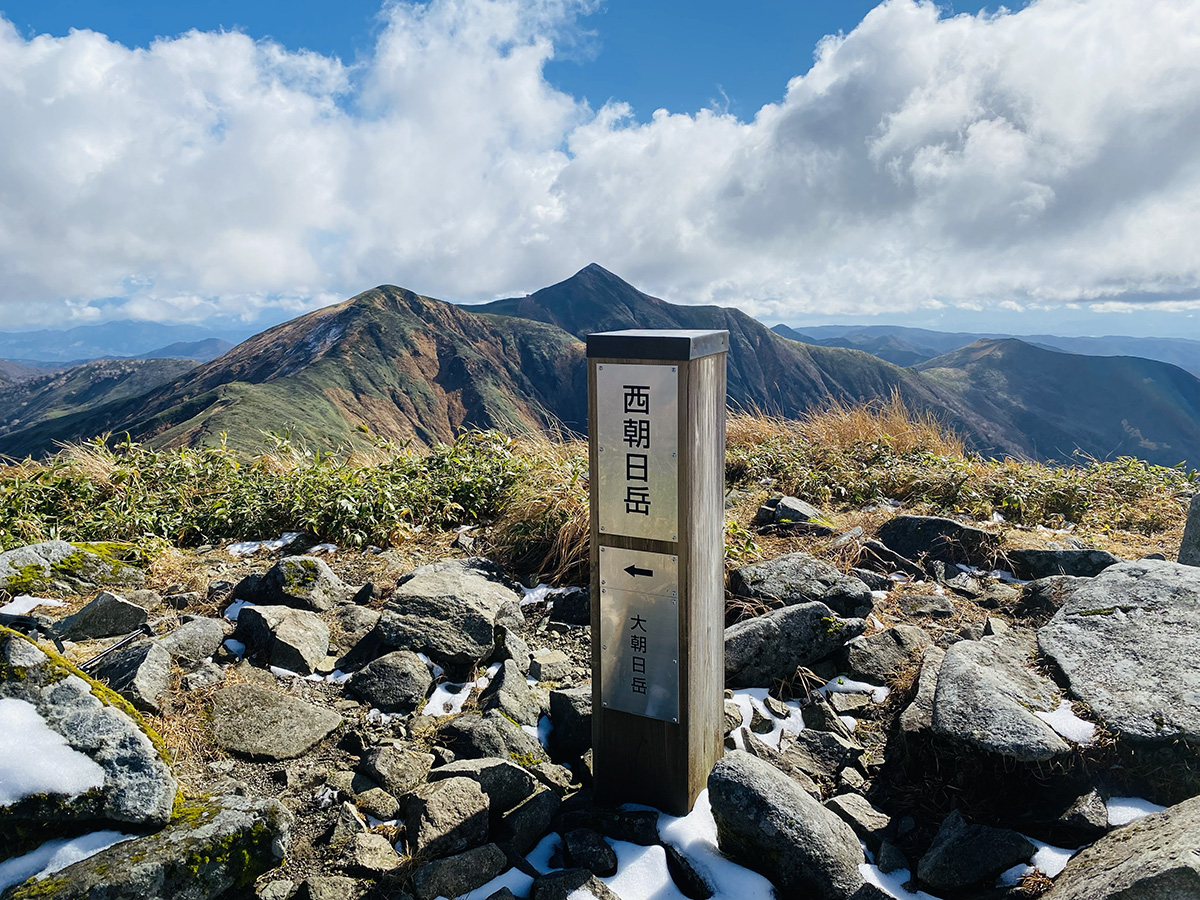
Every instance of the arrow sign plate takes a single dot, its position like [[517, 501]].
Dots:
[[636, 570]]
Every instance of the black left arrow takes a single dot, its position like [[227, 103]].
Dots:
[[635, 571]]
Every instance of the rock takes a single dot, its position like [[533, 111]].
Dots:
[[767, 823], [552, 665], [890, 858], [571, 713], [508, 692], [282, 889], [800, 578], [818, 714], [792, 509], [185, 600], [206, 675], [935, 538], [472, 736], [590, 851], [1189, 548], [873, 580], [371, 855], [505, 783], [572, 606], [292, 639], [510, 646], [347, 824], [397, 769], [986, 698], [1040, 600], [869, 823], [449, 610], [637, 826], [578, 883], [329, 887], [459, 874], [141, 673], [963, 856], [1126, 641], [107, 615], [918, 716], [353, 624], [218, 846], [64, 568], [378, 803], [822, 753], [935, 605], [133, 782], [760, 650], [262, 723], [195, 640], [1154, 858], [303, 582], [752, 745], [522, 827], [446, 817], [879, 657], [397, 682], [1029, 565], [878, 556], [733, 716]]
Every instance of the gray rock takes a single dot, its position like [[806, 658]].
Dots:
[[522, 827], [579, 883], [757, 748], [800, 578], [281, 889], [1126, 641], [879, 657], [459, 874], [505, 783], [889, 858], [1033, 564], [107, 615], [303, 582], [184, 600], [329, 887], [571, 606], [1040, 600], [1154, 858], [936, 606], [935, 538], [397, 769], [1189, 548], [195, 640], [508, 692], [449, 610], [147, 600], [792, 509], [262, 723], [353, 624], [137, 787], [347, 824], [986, 697], [446, 817], [590, 851], [964, 856], [378, 803], [371, 855], [219, 846], [552, 665], [760, 650], [876, 555], [293, 639], [510, 646], [204, 676], [767, 823], [141, 673], [472, 736], [918, 716], [873, 580], [822, 752], [397, 682], [869, 823], [59, 566]]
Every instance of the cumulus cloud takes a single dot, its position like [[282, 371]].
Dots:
[[1015, 160]]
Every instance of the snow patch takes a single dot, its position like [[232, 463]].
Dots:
[[24, 605], [249, 548], [514, 879], [695, 836], [234, 609], [1069, 725], [1047, 859], [892, 882], [750, 699], [840, 684], [53, 856], [35, 759], [448, 698], [1123, 810]]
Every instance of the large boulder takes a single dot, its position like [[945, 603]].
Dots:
[[935, 538], [987, 694], [262, 723], [965, 856], [449, 610], [304, 582], [1189, 548], [879, 657], [800, 578], [396, 682], [195, 640], [141, 673], [1126, 641], [1154, 858], [475, 736], [446, 817], [767, 823], [213, 847], [80, 754], [107, 615], [1034, 564], [61, 567], [760, 650], [292, 639]]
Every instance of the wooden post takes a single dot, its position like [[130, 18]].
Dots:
[[656, 436]]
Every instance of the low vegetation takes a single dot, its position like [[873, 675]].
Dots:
[[532, 491]]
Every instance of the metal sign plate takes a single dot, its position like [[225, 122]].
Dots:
[[637, 424], [639, 633]]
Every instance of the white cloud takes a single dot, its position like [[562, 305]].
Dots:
[[1039, 158]]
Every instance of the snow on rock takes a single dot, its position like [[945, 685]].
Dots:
[[24, 605], [749, 699], [37, 760], [53, 856], [1047, 859], [843, 685], [1123, 810], [1069, 725], [893, 882], [695, 836], [249, 548]]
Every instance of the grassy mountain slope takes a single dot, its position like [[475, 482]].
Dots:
[[47, 398], [405, 366], [1056, 402]]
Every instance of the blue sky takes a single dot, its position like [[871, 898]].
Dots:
[[1028, 169]]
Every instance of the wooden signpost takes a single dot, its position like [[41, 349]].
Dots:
[[656, 426]]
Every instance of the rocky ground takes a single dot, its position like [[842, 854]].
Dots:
[[916, 705]]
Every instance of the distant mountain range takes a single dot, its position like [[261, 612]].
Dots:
[[112, 340], [414, 368]]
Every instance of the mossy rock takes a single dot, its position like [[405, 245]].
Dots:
[[58, 566]]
